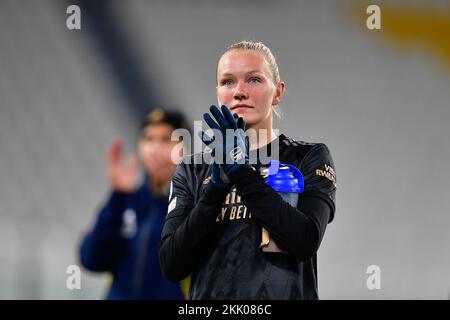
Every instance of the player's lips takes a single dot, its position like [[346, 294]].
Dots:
[[241, 107]]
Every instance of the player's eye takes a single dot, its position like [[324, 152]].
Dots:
[[254, 80], [227, 82]]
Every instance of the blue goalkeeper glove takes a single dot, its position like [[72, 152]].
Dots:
[[218, 176], [231, 152]]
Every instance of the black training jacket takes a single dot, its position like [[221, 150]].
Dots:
[[214, 234]]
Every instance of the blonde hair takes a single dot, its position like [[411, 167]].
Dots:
[[268, 55], [262, 48]]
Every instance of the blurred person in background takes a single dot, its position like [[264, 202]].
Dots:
[[125, 238]]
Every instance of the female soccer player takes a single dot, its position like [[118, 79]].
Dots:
[[218, 211]]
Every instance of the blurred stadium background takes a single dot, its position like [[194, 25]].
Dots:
[[380, 99]]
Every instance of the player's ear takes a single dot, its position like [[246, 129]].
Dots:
[[278, 94]]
